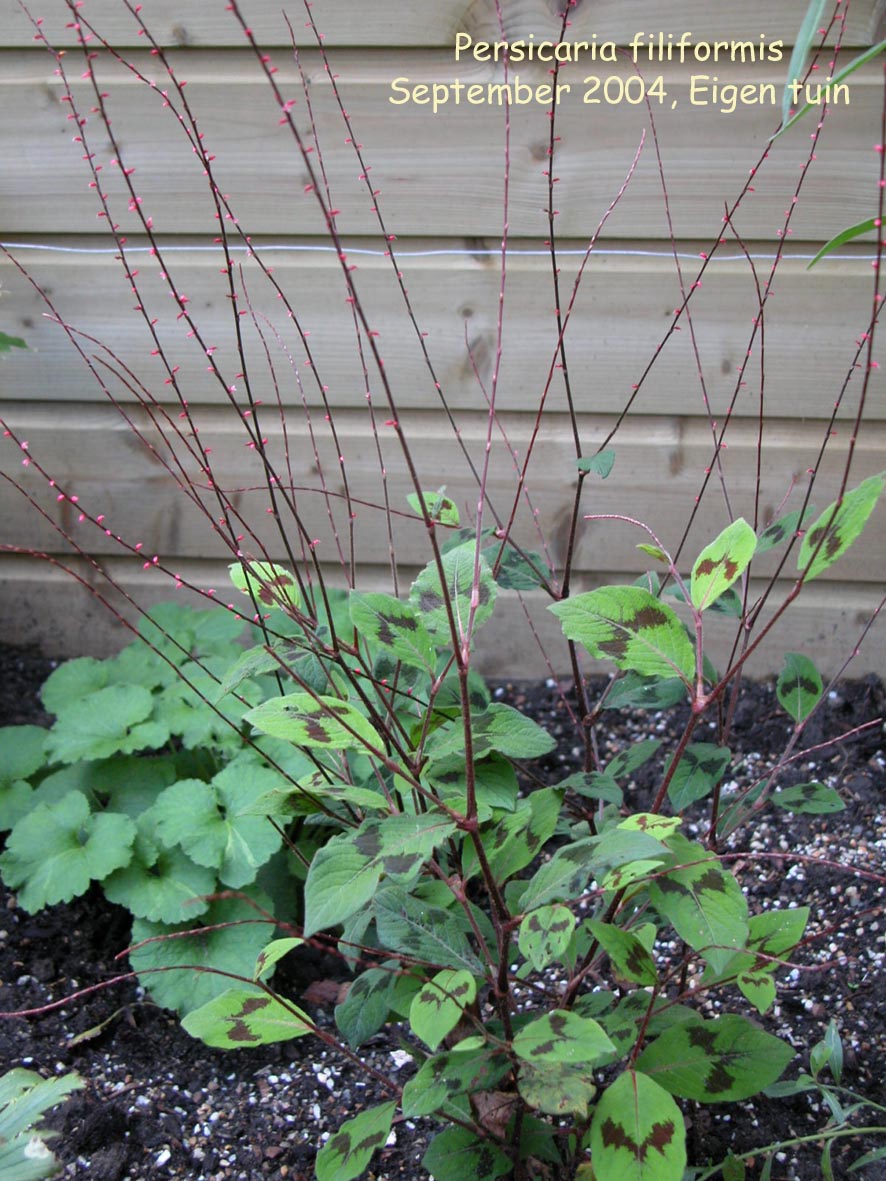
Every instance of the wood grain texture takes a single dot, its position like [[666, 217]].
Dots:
[[660, 469], [521, 639], [440, 170], [390, 23], [623, 310]]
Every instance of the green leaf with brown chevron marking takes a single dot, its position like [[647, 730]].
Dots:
[[429, 593], [314, 722], [439, 1006], [346, 1154], [838, 527], [269, 584], [713, 1061], [630, 626], [629, 956], [246, 1017], [799, 686], [439, 506], [637, 1133], [721, 563], [381, 619], [545, 934]]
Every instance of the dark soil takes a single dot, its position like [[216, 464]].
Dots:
[[159, 1105]]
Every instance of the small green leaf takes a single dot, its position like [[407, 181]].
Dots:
[[22, 752], [721, 563], [633, 757], [439, 506], [629, 956], [269, 956], [442, 1078], [779, 531], [383, 620], [635, 692], [346, 1154], [7, 343], [699, 771], [270, 585], [315, 722], [637, 1133], [428, 595], [367, 1005], [814, 798], [545, 934], [562, 1036], [838, 240], [246, 1017], [440, 1005], [628, 625], [838, 527], [734, 1169], [499, 728], [601, 463], [799, 686], [713, 1061], [654, 551], [459, 1155]]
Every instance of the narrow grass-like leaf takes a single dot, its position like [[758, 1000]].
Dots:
[[799, 686], [628, 625], [721, 563], [246, 1017], [439, 1006], [802, 45], [346, 1154], [837, 528], [856, 231], [637, 1133], [840, 76], [714, 1061]]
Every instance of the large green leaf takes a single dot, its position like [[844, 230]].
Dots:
[[55, 851], [838, 527], [246, 1017], [345, 873], [799, 686], [817, 799], [713, 1061], [113, 720], [346, 1154], [637, 1133], [629, 956], [384, 621], [562, 1036], [721, 563], [428, 594], [704, 903], [319, 722], [178, 972], [630, 626]]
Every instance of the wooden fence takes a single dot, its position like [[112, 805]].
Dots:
[[439, 178]]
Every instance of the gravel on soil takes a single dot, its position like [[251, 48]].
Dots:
[[159, 1105]]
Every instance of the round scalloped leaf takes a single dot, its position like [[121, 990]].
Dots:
[[170, 889], [110, 721], [185, 979], [55, 851]]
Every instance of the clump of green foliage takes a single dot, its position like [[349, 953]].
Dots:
[[24, 1097]]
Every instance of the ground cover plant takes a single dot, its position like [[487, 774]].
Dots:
[[346, 779]]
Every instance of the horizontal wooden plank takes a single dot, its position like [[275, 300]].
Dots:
[[42, 605], [660, 469], [623, 309], [439, 173], [386, 23]]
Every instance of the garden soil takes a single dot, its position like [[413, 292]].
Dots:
[[159, 1105]]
